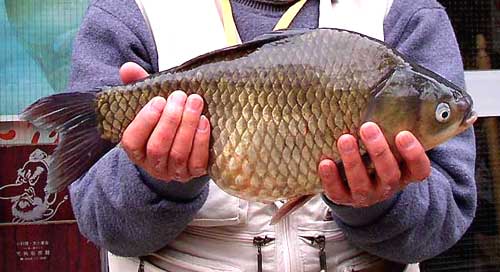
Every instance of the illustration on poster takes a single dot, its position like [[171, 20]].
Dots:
[[30, 203]]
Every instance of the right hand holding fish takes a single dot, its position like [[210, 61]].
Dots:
[[362, 190], [169, 139]]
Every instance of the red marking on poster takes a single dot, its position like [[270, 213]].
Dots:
[[35, 138], [54, 134], [11, 134]]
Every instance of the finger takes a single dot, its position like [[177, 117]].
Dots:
[[131, 71], [360, 184], [198, 160], [183, 141], [412, 152], [333, 185], [162, 137], [385, 163], [137, 133]]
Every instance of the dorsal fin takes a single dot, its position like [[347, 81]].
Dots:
[[246, 47]]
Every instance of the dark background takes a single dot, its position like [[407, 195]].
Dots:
[[479, 249]]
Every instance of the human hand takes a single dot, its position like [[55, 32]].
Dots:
[[362, 190], [169, 139]]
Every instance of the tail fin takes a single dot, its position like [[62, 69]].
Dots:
[[74, 117]]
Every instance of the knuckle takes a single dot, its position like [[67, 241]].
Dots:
[[172, 118], [198, 167], [154, 150], [421, 175], [198, 172], [127, 143], [351, 163], [178, 157], [415, 156], [152, 171], [378, 151], [361, 193], [190, 122], [183, 179], [165, 176], [135, 154], [179, 175], [391, 177], [358, 204], [340, 200], [146, 116]]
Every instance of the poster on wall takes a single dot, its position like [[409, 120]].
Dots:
[[38, 231]]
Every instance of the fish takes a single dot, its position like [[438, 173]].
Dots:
[[276, 104]]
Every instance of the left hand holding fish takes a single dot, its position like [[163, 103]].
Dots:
[[362, 190]]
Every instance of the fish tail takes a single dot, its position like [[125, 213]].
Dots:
[[73, 116]]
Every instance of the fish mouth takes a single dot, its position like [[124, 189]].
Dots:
[[470, 118], [465, 105]]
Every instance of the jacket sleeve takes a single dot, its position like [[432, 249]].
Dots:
[[118, 206], [429, 217]]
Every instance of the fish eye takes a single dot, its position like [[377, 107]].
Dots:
[[443, 112]]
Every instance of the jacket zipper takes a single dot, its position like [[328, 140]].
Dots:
[[259, 242], [320, 240], [283, 229]]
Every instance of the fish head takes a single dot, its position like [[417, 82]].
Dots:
[[415, 99]]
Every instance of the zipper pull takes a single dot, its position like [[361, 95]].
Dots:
[[259, 242], [141, 265], [322, 255], [321, 241]]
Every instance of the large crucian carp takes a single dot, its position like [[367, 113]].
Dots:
[[276, 104]]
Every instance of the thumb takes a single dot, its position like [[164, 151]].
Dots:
[[131, 71]]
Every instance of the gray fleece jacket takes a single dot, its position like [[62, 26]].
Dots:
[[120, 208]]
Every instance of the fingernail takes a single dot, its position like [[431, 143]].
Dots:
[[202, 124], [406, 140], [347, 145], [370, 132], [194, 103], [324, 170], [177, 98], [158, 103]]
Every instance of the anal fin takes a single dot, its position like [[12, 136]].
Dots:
[[289, 207]]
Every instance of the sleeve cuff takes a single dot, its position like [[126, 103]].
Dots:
[[174, 190], [357, 217]]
